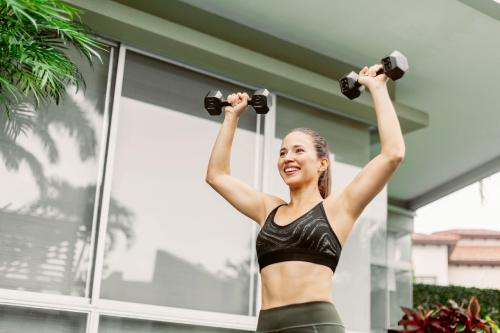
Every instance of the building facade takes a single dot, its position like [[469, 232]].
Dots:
[[107, 224]]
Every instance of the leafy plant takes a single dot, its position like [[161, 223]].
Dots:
[[446, 319], [33, 37], [426, 294]]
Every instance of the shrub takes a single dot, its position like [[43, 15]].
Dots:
[[426, 294], [446, 319]]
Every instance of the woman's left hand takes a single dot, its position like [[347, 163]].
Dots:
[[368, 77]]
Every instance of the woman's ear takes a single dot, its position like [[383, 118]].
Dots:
[[325, 163]]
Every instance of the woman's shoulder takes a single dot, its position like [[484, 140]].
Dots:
[[275, 201], [272, 202]]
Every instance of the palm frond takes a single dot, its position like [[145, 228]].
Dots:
[[18, 122], [34, 38]]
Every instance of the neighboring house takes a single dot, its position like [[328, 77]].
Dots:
[[465, 257]]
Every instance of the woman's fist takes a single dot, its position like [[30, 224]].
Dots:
[[238, 101], [368, 77]]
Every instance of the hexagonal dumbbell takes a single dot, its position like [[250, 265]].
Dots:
[[394, 66], [214, 102]]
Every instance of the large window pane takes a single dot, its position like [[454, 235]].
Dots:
[[178, 242], [401, 295], [121, 325], [26, 320], [48, 177], [402, 246], [378, 245], [378, 300]]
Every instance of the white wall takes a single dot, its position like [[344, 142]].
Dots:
[[431, 260], [474, 276]]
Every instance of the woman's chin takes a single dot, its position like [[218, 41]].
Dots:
[[291, 180]]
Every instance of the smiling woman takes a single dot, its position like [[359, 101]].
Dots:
[[301, 147], [308, 245]]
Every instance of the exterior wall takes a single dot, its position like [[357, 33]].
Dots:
[[479, 276], [431, 261], [348, 140], [152, 30]]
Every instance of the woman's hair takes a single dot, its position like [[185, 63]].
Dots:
[[322, 151]]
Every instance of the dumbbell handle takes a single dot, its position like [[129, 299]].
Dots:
[[377, 73], [226, 103], [380, 71]]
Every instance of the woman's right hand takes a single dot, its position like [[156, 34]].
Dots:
[[239, 102]]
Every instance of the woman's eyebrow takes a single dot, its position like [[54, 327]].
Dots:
[[293, 147]]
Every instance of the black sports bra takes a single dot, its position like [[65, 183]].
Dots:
[[308, 238]]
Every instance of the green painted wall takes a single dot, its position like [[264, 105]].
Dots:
[[347, 139], [198, 48]]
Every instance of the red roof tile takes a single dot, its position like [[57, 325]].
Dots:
[[451, 236], [475, 254], [470, 233], [418, 238]]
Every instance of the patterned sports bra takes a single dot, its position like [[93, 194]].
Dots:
[[308, 238]]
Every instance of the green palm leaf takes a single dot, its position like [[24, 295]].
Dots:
[[34, 36]]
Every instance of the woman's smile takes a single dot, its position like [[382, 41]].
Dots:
[[291, 171]]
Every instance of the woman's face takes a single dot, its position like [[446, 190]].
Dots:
[[298, 154]]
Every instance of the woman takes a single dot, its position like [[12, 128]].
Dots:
[[299, 243]]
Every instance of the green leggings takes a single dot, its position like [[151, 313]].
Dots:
[[309, 317]]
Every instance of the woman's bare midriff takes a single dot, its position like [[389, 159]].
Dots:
[[289, 282]]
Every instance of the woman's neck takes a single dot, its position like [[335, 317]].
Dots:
[[306, 197]]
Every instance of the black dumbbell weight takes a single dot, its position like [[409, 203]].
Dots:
[[394, 66], [214, 102]]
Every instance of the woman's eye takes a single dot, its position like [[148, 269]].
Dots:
[[298, 149]]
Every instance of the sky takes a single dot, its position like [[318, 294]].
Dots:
[[463, 209]]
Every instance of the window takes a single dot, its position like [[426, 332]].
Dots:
[[173, 240], [50, 176], [426, 279]]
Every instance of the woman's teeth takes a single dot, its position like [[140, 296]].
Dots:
[[291, 171]]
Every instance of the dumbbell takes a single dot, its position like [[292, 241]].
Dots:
[[214, 102], [394, 66]]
